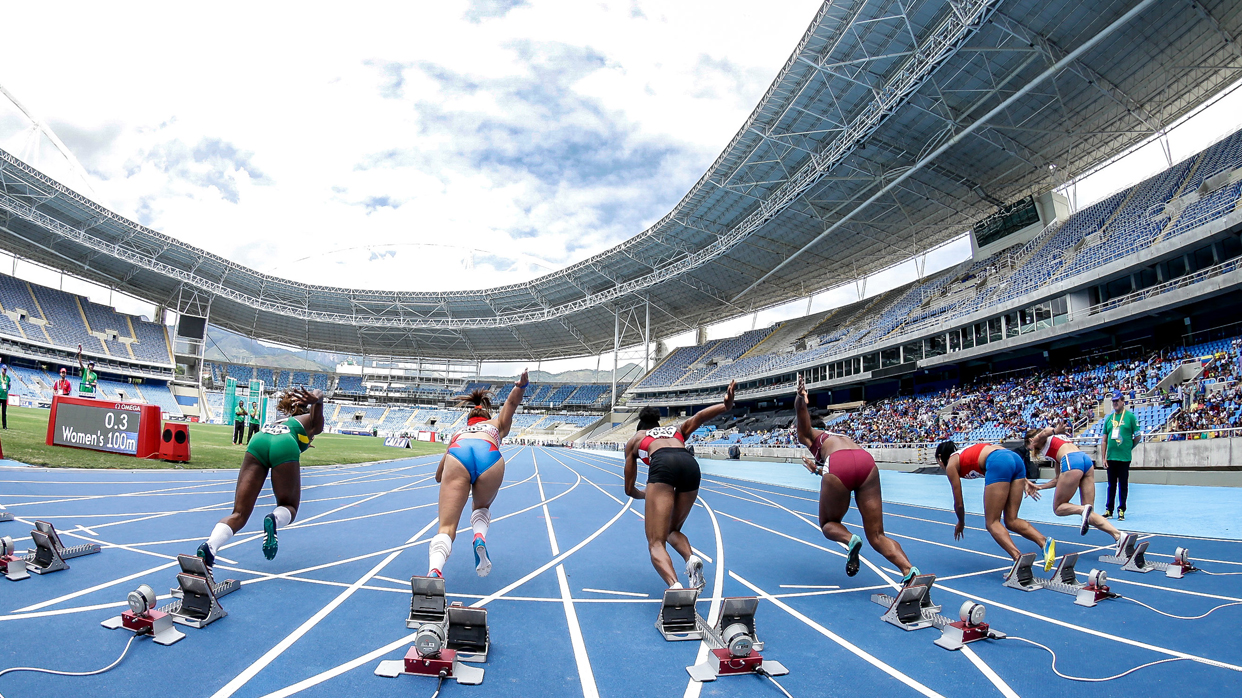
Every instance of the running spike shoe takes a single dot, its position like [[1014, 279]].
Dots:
[[1086, 520], [1050, 553], [482, 563], [851, 561], [269, 536], [204, 551], [694, 572]]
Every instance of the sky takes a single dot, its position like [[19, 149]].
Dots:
[[420, 146]]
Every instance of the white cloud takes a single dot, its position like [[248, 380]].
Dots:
[[476, 143]]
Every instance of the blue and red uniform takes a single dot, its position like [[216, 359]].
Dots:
[[476, 453]]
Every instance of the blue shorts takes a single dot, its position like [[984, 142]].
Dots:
[[476, 454], [1003, 465], [1076, 461]]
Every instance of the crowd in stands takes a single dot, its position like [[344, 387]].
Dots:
[[1001, 407]]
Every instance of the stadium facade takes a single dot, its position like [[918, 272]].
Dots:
[[891, 128]]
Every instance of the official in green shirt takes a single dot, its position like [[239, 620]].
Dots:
[[5, 381], [239, 422], [90, 380], [1116, 449], [253, 423]]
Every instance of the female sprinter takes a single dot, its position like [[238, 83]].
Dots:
[[672, 485], [276, 449], [850, 469], [1073, 471], [1005, 482], [473, 467]]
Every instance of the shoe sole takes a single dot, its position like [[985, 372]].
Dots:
[[1086, 522], [695, 576], [209, 560], [482, 563], [1050, 557], [270, 543], [851, 562]]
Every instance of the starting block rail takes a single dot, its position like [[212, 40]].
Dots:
[[50, 553], [911, 610], [1132, 556]]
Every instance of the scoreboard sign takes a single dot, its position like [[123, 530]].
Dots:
[[117, 427]]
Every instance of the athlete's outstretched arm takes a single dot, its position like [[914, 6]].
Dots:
[[952, 469], [806, 433], [706, 415], [312, 421], [631, 471], [505, 420]]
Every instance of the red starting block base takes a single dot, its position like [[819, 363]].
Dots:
[[155, 623], [729, 665], [14, 569], [1092, 594], [430, 666]]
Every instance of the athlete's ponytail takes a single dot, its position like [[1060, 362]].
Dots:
[[480, 402], [943, 450]]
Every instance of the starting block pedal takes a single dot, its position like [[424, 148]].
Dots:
[[1021, 576], [142, 619], [734, 644], [447, 637], [1095, 590], [911, 608], [5, 515], [679, 619], [192, 564], [13, 567], [1138, 560], [198, 605], [50, 553], [1124, 550], [1132, 556], [1064, 579]]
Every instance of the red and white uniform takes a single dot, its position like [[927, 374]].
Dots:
[[1052, 447], [657, 433], [968, 465]]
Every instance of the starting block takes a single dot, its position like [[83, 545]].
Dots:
[[50, 553], [678, 619], [909, 610], [1132, 556], [1021, 576], [197, 604], [733, 642], [448, 636], [5, 515], [1095, 590], [13, 567], [142, 619]]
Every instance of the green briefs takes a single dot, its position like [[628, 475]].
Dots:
[[279, 443]]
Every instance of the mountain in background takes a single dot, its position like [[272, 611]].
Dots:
[[229, 347]]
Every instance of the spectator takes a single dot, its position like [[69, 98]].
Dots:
[[1116, 445], [239, 422], [90, 380], [253, 420], [63, 386], [5, 381]]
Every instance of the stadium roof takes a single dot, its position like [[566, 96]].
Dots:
[[892, 127]]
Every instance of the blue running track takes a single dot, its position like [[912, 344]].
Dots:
[[572, 596]]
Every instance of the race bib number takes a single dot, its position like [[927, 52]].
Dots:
[[275, 429], [475, 428], [662, 432]]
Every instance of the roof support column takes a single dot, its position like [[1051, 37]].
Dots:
[[616, 349], [647, 336]]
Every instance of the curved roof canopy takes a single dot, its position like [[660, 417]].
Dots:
[[891, 128]]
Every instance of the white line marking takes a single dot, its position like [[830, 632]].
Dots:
[[810, 586], [693, 688], [618, 593], [849, 646], [268, 657], [986, 670], [586, 676]]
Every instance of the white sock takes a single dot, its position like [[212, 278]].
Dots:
[[283, 516], [219, 536], [438, 551], [676, 585], [480, 519]]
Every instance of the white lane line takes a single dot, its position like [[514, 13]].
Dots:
[[616, 593], [986, 670], [810, 586], [1089, 631], [127, 578], [849, 646], [397, 644], [693, 688], [586, 675], [268, 657]]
